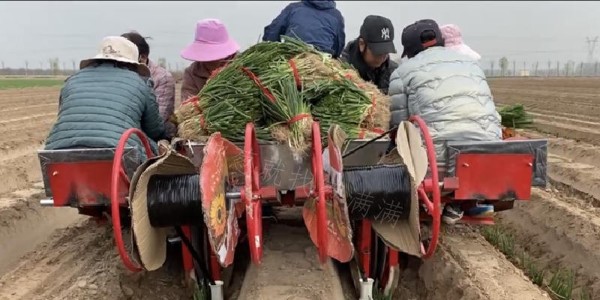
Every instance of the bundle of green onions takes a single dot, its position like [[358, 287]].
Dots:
[[289, 115], [341, 103], [515, 116], [278, 86]]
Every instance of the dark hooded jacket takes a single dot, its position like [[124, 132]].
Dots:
[[317, 23], [379, 77]]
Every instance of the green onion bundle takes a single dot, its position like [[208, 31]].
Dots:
[[515, 116], [289, 115], [341, 103], [278, 86], [228, 102]]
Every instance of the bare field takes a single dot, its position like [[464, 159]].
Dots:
[[560, 225], [55, 254]]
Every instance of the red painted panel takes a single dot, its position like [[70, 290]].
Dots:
[[83, 183], [494, 176]]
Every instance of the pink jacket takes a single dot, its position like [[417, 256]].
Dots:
[[164, 89], [453, 40]]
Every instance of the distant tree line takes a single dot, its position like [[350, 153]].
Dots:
[[505, 67], [54, 67]]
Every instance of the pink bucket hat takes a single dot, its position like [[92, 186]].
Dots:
[[212, 42], [453, 40]]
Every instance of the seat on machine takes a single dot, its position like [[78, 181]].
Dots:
[[537, 148], [497, 170], [82, 177]]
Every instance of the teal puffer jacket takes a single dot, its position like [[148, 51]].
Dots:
[[99, 103]]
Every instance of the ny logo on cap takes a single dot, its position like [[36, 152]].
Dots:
[[385, 33]]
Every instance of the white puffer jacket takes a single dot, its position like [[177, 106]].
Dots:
[[450, 92]]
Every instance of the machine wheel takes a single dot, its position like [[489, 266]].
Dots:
[[433, 205], [251, 194], [118, 175]]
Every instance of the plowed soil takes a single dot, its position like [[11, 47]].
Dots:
[[560, 225]]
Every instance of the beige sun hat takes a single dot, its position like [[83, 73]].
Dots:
[[118, 48]]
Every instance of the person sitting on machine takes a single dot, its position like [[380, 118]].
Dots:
[[164, 83], [211, 49], [369, 54], [453, 40], [318, 23], [449, 91], [104, 99]]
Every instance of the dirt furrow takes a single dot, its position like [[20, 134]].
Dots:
[[26, 135], [570, 116], [533, 104], [466, 266], [289, 250], [81, 262], [581, 152], [19, 172], [576, 133], [27, 110], [21, 217], [560, 232], [565, 120]]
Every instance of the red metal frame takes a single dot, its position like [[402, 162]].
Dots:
[[115, 188], [433, 207], [319, 178], [253, 193]]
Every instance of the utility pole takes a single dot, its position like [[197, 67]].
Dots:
[[535, 73], [514, 68], [591, 44], [581, 69], [557, 68], [26, 68], [492, 75], [549, 69]]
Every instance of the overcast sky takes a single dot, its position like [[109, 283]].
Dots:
[[71, 30]]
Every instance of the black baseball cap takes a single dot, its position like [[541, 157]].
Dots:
[[378, 33], [411, 37]]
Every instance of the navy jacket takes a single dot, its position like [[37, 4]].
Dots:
[[98, 104], [317, 23]]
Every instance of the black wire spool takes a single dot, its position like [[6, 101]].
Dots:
[[174, 200], [379, 193]]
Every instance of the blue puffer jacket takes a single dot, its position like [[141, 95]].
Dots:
[[98, 104], [317, 23], [450, 92]]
